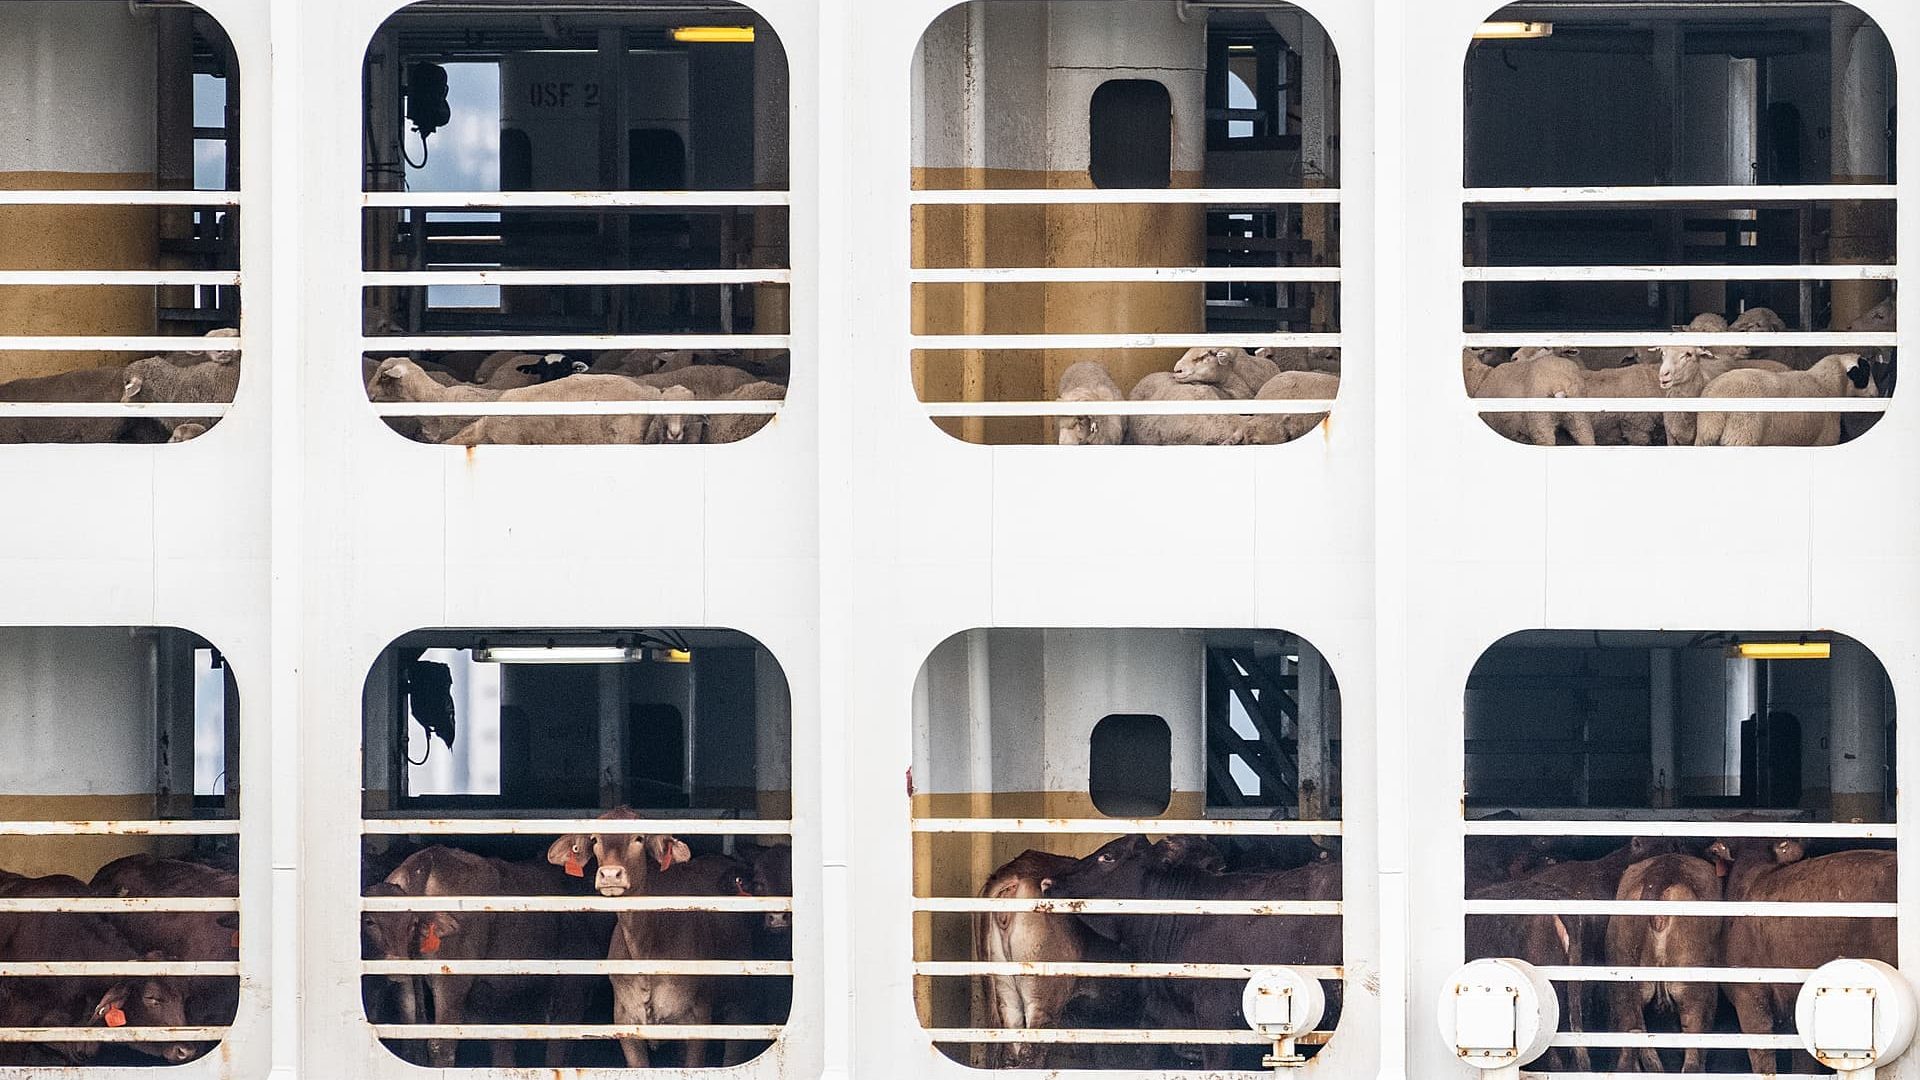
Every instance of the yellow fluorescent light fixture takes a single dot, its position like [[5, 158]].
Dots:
[[1511, 31], [709, 35], [555, 654], [1783, 650], [676, 656]]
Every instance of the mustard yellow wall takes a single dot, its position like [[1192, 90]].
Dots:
[[1083, 235], [37, 856], [74, 238]]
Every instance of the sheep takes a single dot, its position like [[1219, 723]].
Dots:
[[1881, 318], [1836, 375], [543, 430], [1631, 380], [1089, 380], [401, 379], [1686, 370], [1758, 320], [82, 385], [1182, 430], [1271, 429], [676, 428], [1314, 358], [1707, 322], [553, 366], [1541, 375], [189, 357], [190, 430], [518, 370], [732, 427], [1237, 374], [642, 361], [708, 382], [159, 379]]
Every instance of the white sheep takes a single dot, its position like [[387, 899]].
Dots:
[[676, 428], [1633, 380], [1544, 375], [548, 430], [399, 379], [1271, 429], [158, 379], [1182, 430], [709, 382], [732, 427], [83, 385], [1758, 320], [1089, 380], [1836, 375], [1686, 370], [1237, 374], [642, 361], [190, 430]]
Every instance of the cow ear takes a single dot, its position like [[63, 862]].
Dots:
[[1718, 850], [667, 850], [1788, 851], [570, 848], [111, 1004]]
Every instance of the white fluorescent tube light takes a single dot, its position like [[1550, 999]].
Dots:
[[555, 654], [1513, 31]]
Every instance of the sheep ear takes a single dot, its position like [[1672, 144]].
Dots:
[[132, 388]]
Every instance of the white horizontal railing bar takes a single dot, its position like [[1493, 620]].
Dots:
[[1090, 906], [116, 905], [1767, 829], [1116, 970], [1120, 341], [1233, 407], [507, 904], [1228, 274], [1071, 196], [1676, 974], [1122, 826], [1680, 273], [119, 277], [577, 1031], [1677, 1041], [563, 826], [104, 343], [1773, 909], [1684, 405], [127, 1034], [577, 408], [184, 827], [576, 277], [1636, 339], [1163, 1036], [159, 410], [546, 343], [584, 200], [85, 968], [112, 197], [1744, 194], [577, 967]]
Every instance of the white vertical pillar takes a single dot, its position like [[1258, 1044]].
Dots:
[[1856, 736], [1663, 764]]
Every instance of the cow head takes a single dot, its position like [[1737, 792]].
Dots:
[[625, 859], [387, 935], [1118, 869], [773, 876], [1188, 853], [148, 1003]]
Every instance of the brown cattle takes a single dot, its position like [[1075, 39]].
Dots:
[[1664, 941], [660, 865], [189, 935], [445, 935], [1542, 940], [1774, 870], [87, 1001], [1001, 937]]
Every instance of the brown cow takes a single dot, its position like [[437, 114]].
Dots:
[[660, 865], [1664, 941], [1001, 937], [87, 1001], [1543, 940], [445, 935], [190, 935], [1774, 870]]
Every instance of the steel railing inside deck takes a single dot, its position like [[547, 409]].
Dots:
[[1119, 969], [556, 827], [71, 969], [575, 343], [1752, 195], [1128, 274], [145, 344]]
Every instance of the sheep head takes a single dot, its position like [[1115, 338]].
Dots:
[[1859, 373], [1758, 319], [1679, 362], [1203, 365], [1088, 430], [677, 428], [141, 379], [1706, 322], [387, 378]]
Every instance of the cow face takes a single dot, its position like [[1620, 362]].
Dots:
[[773, 876], [148, 1003], [1118, 870], [625, 859], [387, 935]]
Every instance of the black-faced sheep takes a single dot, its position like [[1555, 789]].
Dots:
[[1271, 429], [1089, 380], [1213, 430], [1837, 375]]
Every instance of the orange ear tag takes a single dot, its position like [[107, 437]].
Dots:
[[743, 891], [574, 867], [1720, 867], [430, 941], [116, 1017], [666, 862]]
